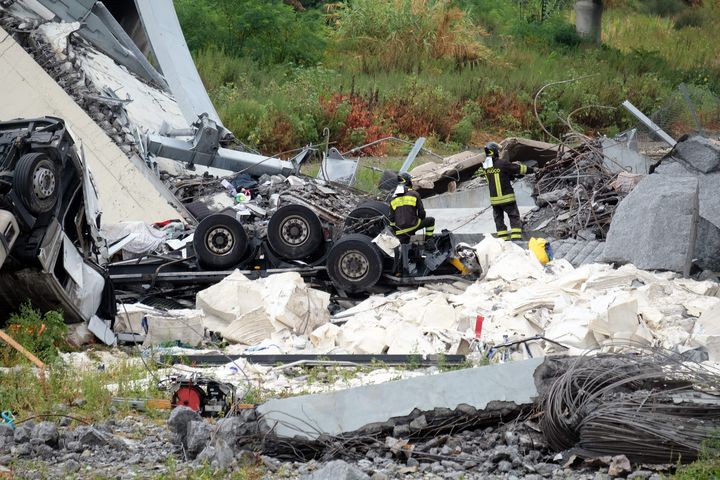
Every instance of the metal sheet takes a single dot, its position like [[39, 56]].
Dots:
[[72, 261], [168, 44]]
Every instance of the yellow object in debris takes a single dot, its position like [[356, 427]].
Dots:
[[459, 265], [540, 247]]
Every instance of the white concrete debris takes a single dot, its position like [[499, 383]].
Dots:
[[591, 307], [248, 311]]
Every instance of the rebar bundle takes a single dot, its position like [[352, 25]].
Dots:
[[652, 408], [585, 199]]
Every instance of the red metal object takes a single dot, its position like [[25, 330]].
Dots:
[[189, 396], [478, 325]]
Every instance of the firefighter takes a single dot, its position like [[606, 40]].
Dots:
[[407, 214], [499, 174]]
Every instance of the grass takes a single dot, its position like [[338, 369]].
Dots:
[[707, 467], [82, 393]]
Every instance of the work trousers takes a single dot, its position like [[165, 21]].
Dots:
[[428, 223], [513, 214]]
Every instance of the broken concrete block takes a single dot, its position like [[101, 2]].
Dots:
[[701, 153], [324, 336], [179, 421], [291, 304], [198, 436], [338, 470], [654, 227], [219, 455], [222, 302], [250, 328], [707, 246], [185, 326], [46, 432]]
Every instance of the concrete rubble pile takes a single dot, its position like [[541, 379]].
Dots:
[[556, 308]]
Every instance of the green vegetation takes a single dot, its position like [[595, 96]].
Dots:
[[62, 389], [456, 71], [40, 334], [707, 467]]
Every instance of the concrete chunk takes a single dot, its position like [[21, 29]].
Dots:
[[701, 153], [338, 470], [654, 227]]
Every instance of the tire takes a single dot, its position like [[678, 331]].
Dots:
[[354, 263], [294, 232], [220, 242], [360, 220], [37, 182], [198, 210]]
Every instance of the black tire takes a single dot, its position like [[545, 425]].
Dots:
[[220, 242], [198, 210], [354, 264], [294, 232], [36, 182], [369, 218]]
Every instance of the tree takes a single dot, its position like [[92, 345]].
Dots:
[[588, 19]]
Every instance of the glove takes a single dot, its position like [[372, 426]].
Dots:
[[531, 170]]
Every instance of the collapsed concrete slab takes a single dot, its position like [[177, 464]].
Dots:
[[654, 227], [309, 417], [124, 189]]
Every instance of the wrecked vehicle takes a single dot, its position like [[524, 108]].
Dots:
[[52, 253], [348, 256]]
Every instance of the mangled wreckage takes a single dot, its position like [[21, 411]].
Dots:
[[52, 252]]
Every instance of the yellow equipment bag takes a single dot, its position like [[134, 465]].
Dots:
[[541, 248]]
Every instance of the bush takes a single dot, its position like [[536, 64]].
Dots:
[[689, 18], [267, 31], [41, 334], [407, 34], [662, 8]]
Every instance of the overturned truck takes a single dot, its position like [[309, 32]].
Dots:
[[352, 256], [51, 251]]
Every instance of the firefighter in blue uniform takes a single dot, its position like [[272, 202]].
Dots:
[[500, 174], [407, 214]]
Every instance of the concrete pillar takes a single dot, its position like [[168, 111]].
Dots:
[[588, 19]]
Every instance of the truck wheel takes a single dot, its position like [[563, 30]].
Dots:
[[36, 182], [369, 218], [354, 264], [220, 242], [294, 232]]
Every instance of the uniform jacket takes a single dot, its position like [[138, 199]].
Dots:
[[406, 209], [500, 177]]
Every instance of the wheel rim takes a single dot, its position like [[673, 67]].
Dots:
[[354, 266], [219, 241], [43, 182], [294, 231]]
